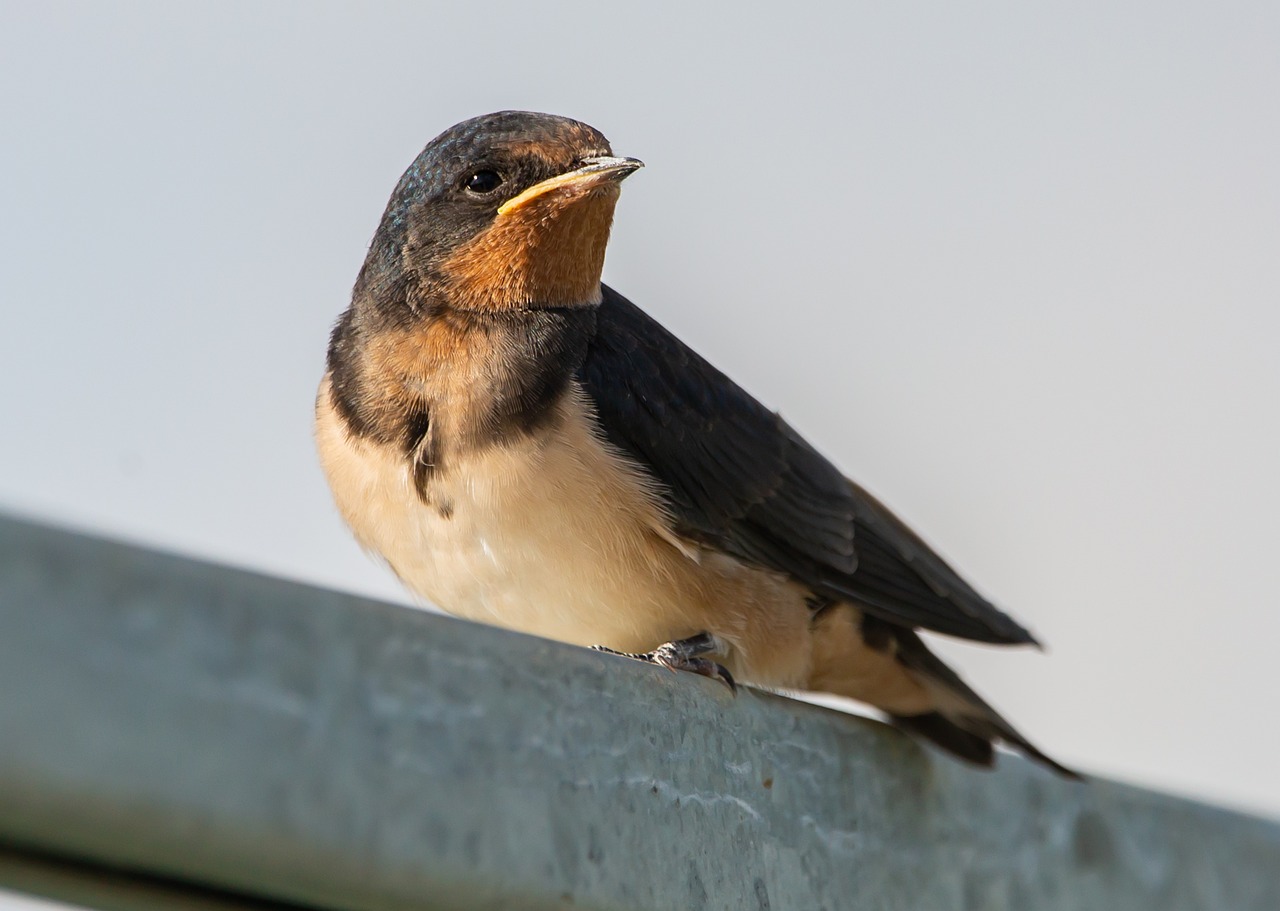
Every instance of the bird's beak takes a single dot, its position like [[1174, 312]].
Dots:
[[593, 172]]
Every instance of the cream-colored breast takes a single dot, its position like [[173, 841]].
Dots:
[[551, 534]]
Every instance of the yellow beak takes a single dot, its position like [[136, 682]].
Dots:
[[593, 173]]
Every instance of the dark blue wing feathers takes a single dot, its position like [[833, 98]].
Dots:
[[738, 478]]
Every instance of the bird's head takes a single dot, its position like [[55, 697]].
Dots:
[[505, 211]]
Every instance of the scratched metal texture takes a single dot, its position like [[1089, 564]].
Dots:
[[222, 728]]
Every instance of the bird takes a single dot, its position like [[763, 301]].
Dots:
[[525, 447]]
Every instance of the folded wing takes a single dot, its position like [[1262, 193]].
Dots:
[[738, 478]]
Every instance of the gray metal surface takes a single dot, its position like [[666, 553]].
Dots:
[[75, 883], [270, 738]]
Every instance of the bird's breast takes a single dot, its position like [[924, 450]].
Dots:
[[551, 533]]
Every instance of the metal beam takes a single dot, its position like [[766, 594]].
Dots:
[[83, 883], [216, 727]]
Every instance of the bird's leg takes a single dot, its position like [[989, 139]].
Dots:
[[684, 655]]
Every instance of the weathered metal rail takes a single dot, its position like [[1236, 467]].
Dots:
[[175, 734]]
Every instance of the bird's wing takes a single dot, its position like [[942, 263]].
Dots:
[[738, 478]]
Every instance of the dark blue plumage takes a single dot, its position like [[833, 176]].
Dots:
[[738, 477]]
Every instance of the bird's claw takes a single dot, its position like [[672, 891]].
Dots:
[[683, 655], [670, 655]]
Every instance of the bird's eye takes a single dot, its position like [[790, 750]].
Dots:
[[484, 181]]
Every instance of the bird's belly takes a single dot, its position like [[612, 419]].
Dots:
[[553, 535], [528, 566]]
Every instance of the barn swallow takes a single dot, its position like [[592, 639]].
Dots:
[[526, 447]]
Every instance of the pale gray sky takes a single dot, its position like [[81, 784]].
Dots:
[[1015, 267]]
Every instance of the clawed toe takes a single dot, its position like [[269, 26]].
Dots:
[[675, 658], [707, 668], [684, 655]]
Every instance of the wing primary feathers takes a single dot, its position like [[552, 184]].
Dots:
[[739, 478]]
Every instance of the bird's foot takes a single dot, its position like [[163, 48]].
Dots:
[[684, 655]]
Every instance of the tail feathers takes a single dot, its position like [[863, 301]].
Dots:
[[963, 723], [999, 728], [935, 727], [973, 739]]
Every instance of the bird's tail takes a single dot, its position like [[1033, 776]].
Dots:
[[889, 666], [962, 723]]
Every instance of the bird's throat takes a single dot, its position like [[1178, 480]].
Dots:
[[549, 253]]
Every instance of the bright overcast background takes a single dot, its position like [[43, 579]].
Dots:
[[1014, 268]]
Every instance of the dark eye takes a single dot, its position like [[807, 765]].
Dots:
[[484, 181]]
